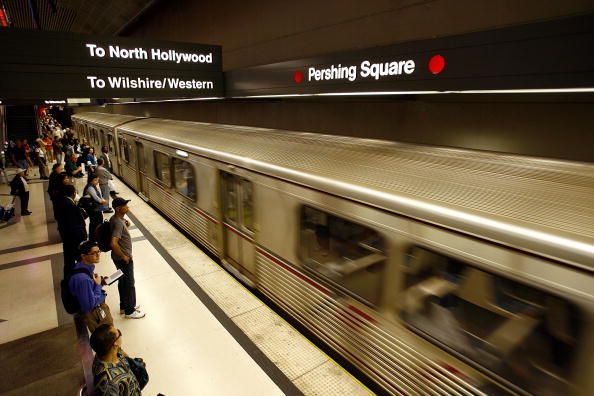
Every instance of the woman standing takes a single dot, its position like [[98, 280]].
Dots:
[[41, 159], [49, 148], [95, 212]]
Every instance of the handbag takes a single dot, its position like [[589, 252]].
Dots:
[[138, 367], [111, 185]]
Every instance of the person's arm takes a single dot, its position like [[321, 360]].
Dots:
[[115, 246], [93, 193], [116, 234], [87, 291]]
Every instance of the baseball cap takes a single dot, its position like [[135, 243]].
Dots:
[[19, 170], [119, 202]]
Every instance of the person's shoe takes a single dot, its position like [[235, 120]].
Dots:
[[26, 213], [108, 210], [137, 314], [136, 308]]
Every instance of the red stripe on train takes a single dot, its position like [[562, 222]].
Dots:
[[237, 232], [294, 272]]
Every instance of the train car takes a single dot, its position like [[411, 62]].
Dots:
[[433, 270], [98, 129]]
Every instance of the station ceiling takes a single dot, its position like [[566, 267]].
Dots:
[[105, 17]]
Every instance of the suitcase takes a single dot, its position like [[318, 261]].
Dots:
[[8, 211]]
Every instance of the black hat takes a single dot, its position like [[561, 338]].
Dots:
[[119, 202], [86, 246]]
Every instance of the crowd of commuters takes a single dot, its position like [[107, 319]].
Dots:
[[77, 174]]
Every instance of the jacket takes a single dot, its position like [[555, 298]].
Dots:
[[71, 222], [16, 186], [106, 161], [87, 292], [103, 174]]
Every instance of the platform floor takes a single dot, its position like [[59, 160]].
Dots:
[[204, 332]]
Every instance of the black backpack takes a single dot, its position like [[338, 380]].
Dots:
[[87, 202], [69, 301], [103, 236]]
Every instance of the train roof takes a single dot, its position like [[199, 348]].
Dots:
[[105, 119], [537, 205]]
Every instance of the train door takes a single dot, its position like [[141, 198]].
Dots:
[[140, 167], [238, 223], [113, 155], [103, 140]]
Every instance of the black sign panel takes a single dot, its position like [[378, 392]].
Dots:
[[53, 64], [543, 56]]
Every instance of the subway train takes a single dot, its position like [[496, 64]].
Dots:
[[433, 270]]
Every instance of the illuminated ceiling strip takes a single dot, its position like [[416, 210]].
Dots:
[[167, 100], [378, 93]]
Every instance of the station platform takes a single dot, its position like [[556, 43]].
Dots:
[[204, 332]]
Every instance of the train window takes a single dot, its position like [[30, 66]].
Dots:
[[523, 334], [162, 167], [110, 144], [349, 254], [185, 180], [125, 150], [247, 204], [229, 196]]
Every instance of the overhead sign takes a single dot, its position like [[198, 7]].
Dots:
[[44, 65], [554, 55]]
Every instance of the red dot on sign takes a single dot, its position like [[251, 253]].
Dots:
[[298, 77], [436, 64]]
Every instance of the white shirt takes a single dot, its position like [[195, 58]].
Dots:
[[25, 185], [59, 133]]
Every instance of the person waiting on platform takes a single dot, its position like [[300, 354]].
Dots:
[[94, 211], [71, 225], [49, 148], [86, 287], [20, 188], [72, 169], [121, 254], [104, 178], [57, 147], [55, 186], [19, 157], [41, 159], [90, 160], [105, 157], [112, 374]]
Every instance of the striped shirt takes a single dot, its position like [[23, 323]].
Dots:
[[114, 379]]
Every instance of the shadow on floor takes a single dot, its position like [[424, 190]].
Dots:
[[47, 363]]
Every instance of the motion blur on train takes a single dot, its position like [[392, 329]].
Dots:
[[432, 270]]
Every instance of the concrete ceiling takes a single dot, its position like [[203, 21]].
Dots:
[[101, 17]]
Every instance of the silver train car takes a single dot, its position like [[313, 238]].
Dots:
[[435, 271]]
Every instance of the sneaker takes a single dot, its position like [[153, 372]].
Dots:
[[136, 308], [26, 213], [135, 315]]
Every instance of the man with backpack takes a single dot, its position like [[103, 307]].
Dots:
[[121, 254], [85, 287]]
